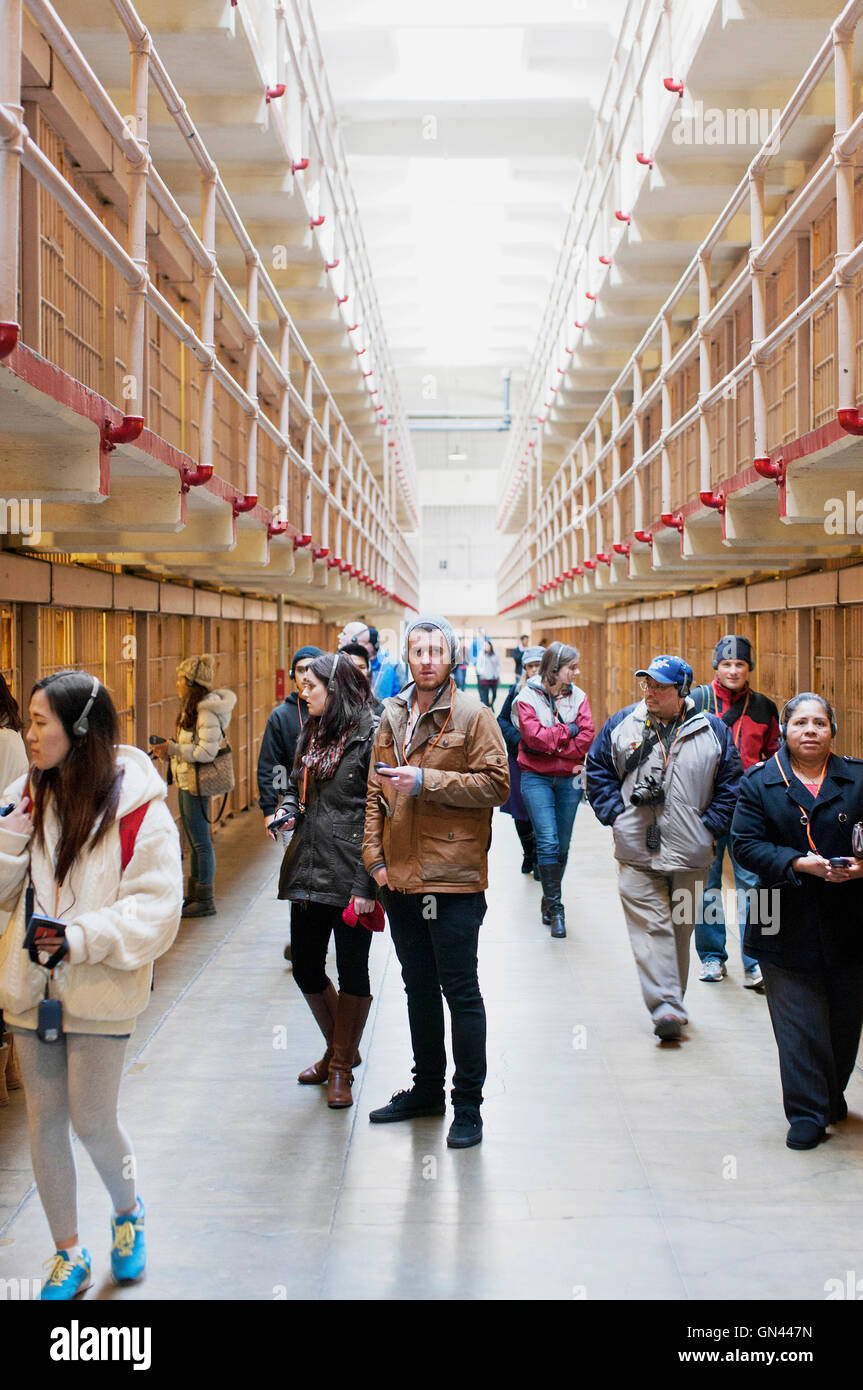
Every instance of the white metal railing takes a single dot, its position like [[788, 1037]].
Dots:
[[371, 540], [537, 554]]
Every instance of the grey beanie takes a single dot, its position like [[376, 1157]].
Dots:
[[532, 654], [432, 620]]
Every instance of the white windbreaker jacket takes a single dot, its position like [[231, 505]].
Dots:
[[201, 744], [116, 925]]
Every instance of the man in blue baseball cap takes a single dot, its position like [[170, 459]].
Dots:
[[664, 776]]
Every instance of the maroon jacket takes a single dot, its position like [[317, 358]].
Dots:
[[547, 746], [755, 731]]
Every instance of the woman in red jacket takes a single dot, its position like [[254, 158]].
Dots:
[[553, 716]]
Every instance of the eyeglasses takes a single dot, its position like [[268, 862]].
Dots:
[[652, 685]]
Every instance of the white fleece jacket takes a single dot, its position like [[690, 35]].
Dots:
[[116, 926], [201, 744]]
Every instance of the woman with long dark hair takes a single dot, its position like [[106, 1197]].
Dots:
[[556, 726], [794, 826], [91, 846], [13, 754], [323, 871], [203, 720]]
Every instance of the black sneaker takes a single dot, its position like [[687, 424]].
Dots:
[[804, 1134], [408, 1105], [465, 1130]]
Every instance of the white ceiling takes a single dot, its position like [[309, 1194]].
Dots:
[[464, 123]]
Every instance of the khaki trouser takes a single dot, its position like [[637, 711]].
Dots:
[[659, 930]]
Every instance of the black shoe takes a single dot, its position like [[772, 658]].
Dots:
[[408, 1105], [465, 1130], [527, 864], [840, 1112], [668, 1028], [287, 952], [804, 1134]]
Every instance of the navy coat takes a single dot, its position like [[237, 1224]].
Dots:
[[818, 922]]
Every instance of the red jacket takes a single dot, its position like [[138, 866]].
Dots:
[[756, 731], [553, 751]]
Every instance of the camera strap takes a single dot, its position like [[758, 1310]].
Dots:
[[804, 819]]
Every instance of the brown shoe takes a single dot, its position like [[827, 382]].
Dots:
[[324, 1007], [351, 1018]]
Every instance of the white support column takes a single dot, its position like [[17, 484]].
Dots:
[[843, 48], [637, 449], [284, 415], [308, 452], [137, 176], [704, 381], [252, 268], [759, 314], [666, 411], [10, 169], [207, 380]]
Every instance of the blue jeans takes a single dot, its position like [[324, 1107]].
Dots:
[[710, 921], [551, 804], [202, 859]]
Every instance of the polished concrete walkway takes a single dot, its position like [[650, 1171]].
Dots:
[[612, 1167]]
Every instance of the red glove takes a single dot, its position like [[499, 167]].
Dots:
[[372, 921]]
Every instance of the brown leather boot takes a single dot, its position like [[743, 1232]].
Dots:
[[350, 1021], [324, 1007]]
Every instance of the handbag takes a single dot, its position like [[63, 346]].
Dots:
[[216, 778]]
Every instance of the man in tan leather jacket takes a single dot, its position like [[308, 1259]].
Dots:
[[438, 768]]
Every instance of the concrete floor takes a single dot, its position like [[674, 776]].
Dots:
[[612, 1167]]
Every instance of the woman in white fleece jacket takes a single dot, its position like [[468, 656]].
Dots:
[[92, 844], [203, 721]]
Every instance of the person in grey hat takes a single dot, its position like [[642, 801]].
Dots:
[[438, 768]]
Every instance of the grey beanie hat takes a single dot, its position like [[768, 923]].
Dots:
[[532, 654], [432, 620]]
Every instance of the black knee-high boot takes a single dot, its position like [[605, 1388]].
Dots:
[[524, 830]]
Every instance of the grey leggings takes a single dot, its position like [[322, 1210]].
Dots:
[[77, 1080]]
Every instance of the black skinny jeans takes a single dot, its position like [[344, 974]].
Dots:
[[311, 925], [436, 937]]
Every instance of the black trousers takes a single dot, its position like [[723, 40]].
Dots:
[[311, 925], [817, 1017], [436, 937]]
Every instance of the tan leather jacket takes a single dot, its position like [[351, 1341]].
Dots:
[[436, 842]]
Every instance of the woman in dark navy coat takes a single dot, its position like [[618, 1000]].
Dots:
[[795, 815]]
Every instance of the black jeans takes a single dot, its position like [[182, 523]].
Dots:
[[311, 925], [436, 937], [816, 1017]]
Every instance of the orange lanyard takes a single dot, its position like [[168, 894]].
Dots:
[[804, 819], [440, 735], [666, 756]]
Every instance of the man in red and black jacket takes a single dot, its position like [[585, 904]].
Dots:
[[754, 724]]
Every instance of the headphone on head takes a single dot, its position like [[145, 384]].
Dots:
[[783, 721], [684, 689], [82, 723]]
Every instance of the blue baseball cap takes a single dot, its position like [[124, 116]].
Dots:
[[669, 670]]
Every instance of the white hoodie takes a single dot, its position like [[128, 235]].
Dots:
[[116, 926]]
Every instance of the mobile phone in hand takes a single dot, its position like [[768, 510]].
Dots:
[[840, 863], [383, 767]]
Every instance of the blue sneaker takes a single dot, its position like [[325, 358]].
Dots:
[[66, 1278], [129, 1250]]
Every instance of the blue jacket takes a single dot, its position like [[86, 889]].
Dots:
[[700, 783], [384, 676], [511, 735]]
